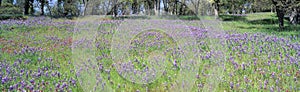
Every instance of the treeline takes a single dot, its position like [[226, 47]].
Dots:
[[62, 8]]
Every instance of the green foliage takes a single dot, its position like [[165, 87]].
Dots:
[[189, 17], [65, 8], [8, 1], [9, 11], [71, 8], [261, 5]]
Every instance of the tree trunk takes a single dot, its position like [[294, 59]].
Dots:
[[294, 16], [166, 8], [151, 7], [31, 6], [134, 7], [176, 12], [233, 7], [196, 6], [280, 15], [298, 16], [114, 9], [42, 6], [26, 7], [59, 7], [216, 8], [123, 8], [216, 13], [155, 6], [196, 9], [159, 1], [181, 9], [272, 9], [48, 7], [116, 6], [84, 4]]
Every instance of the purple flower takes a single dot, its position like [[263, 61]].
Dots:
[[32, 81], [277, 82], [197, 76], [274, 61], [273, 75], [271, 89], [3, 81], [266, 82], [31, 88], [57, 85], [231, 85], [11, 88], [64, 85], [58, 74], [39, 59], [243, 66], [255, 59], [237, 85], [175, 63]]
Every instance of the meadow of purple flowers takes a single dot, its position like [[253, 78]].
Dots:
[[36, 55]]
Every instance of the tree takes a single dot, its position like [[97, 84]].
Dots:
[[42, 2], [216, 6], [8, 1], [10, 11], [195, 4], [135, 7], [261, 5], [28, 5], [31, 6], [166, 6], [48, 7], [286, 6], [85, 3], [280, 13], [150, 7], [158, 5], [294, 11], [294, 16]]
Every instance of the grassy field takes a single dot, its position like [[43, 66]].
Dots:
[[247, 54], [258, 22]]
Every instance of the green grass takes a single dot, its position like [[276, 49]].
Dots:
[[258, 22]]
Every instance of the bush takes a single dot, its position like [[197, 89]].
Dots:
[[9, 11]]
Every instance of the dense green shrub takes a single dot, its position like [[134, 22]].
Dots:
[[9, 11]]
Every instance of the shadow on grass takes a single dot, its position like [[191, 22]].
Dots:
[[189, 17], [292, 28], [233, 17], [287, 28], [263, 21], [248, 27]]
